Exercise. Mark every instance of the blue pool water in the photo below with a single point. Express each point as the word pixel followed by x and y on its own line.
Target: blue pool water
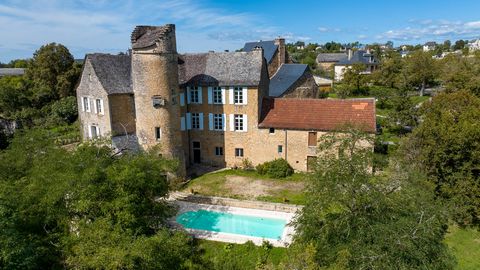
pixel 232 223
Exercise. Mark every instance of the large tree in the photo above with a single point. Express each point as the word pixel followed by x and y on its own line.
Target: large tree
pixel 421 70
pixel 446 146
pixel 356 221
pixel 84 208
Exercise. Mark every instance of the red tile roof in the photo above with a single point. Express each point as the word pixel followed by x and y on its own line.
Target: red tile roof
pixel 318 114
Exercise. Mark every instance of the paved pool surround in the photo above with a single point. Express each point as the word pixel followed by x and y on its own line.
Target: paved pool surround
pixel 284 241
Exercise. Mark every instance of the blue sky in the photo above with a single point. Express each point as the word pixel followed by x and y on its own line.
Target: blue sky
pixel 86 26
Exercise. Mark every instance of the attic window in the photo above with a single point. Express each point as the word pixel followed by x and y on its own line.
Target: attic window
pixel 158 101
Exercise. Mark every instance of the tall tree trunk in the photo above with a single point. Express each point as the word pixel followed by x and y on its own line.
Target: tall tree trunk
pixel 422 89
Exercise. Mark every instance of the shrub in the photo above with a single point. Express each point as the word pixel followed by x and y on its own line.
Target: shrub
pixel 277 168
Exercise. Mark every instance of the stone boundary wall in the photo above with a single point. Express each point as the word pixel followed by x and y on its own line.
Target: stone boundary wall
pixel 289 208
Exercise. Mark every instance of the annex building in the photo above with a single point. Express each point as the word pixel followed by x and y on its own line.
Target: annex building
pixel 215 108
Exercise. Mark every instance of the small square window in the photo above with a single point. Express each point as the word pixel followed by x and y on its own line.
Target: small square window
pixel 280 149
pixel 239 152
pixel 158 133
pixel 271 131
pixel 218 151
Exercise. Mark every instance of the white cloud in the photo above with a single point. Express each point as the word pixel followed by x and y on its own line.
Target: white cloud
pixel 434 30
pixel 327 29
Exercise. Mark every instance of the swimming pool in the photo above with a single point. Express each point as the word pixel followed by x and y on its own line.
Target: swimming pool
pixel 271 228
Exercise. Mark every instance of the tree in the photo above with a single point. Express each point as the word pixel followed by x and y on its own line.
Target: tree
pixel 459 44
pixel 354 77
pixel 84 208
pixel 421 69
pixel 50 70
pixel 460 73
pixel 447 44
pixel 445 146
pixel 356 221
pixel 390 72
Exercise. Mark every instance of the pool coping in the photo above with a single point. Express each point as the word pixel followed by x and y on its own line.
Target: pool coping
pixel 284 241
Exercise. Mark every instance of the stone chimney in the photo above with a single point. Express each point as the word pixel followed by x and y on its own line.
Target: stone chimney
pixel 350 53
pixel 280 42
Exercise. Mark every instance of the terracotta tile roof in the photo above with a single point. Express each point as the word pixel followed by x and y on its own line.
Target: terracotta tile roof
pixel 317 114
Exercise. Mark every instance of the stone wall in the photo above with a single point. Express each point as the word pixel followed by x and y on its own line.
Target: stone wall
pixel 91 87
pixel 122 109
pixel 304 87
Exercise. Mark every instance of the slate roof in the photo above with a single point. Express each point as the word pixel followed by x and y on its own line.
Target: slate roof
pixel 359 56
pixel 269 48
pixel 285 77
pixel 113 71
pixel 317 114
pixel 330 57
pixel 11 71
pixel 146 36
pixel 221 69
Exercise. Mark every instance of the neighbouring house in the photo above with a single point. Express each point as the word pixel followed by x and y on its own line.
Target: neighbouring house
pixel 216 109
pixel 429 46
pixel 11 72
pixel 326 61
pixel 404 54
pixel 473 45
pixel 355 57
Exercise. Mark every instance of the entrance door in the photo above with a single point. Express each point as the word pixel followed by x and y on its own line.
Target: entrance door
pixel 196 152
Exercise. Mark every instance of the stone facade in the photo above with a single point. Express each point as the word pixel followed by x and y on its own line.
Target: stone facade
pixel 165 99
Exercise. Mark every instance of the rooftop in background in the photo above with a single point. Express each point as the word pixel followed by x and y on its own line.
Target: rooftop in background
pixel 360 56
pixel 269 48
pixel 318 114
pixel 285 77
pixel 11 72
pixel 330 57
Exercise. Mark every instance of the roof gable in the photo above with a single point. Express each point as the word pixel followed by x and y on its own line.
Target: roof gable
pixel 113 72
pixel 285 77
pixel 318 114
pixel 269 48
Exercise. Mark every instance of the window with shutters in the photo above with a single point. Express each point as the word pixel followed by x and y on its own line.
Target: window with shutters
pixel 195 120
pixel 217 95
pixel 239 152
pixel 238 122
pixel 312 139
pixel 218 121
pixel 237 95
pixel 94 131
pixel 218 151
pixel 194 94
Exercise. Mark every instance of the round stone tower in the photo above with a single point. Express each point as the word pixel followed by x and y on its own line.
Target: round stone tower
pixel 155 86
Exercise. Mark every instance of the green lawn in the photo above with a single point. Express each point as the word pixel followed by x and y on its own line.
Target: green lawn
pixel 220 255
pixel 249 185
pixel 465 245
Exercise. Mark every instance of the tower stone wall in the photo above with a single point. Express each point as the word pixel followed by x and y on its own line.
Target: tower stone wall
pixel 155 86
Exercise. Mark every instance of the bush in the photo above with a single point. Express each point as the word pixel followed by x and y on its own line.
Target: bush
pixel 278 168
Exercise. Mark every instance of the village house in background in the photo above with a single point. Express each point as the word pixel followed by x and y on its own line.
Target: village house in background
pixel 429 46
pixel 220 109
pixel 473 45
pixel 355 57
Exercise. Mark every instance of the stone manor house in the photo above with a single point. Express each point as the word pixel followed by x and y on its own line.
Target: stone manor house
pixel 216 108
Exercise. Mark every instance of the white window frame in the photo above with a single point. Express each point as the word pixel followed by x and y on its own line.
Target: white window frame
pixel 238 122
pixel 218 122
pixel 239 152
pixel 238 98
pixel 86 104
pixel 99 109
pixel 195 120
pixel 217 95
pixel 97 131
pixel 194 95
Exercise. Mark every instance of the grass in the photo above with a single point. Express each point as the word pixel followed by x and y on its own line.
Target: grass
pixel 465 245
pixel 238 256
pixel 277 190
